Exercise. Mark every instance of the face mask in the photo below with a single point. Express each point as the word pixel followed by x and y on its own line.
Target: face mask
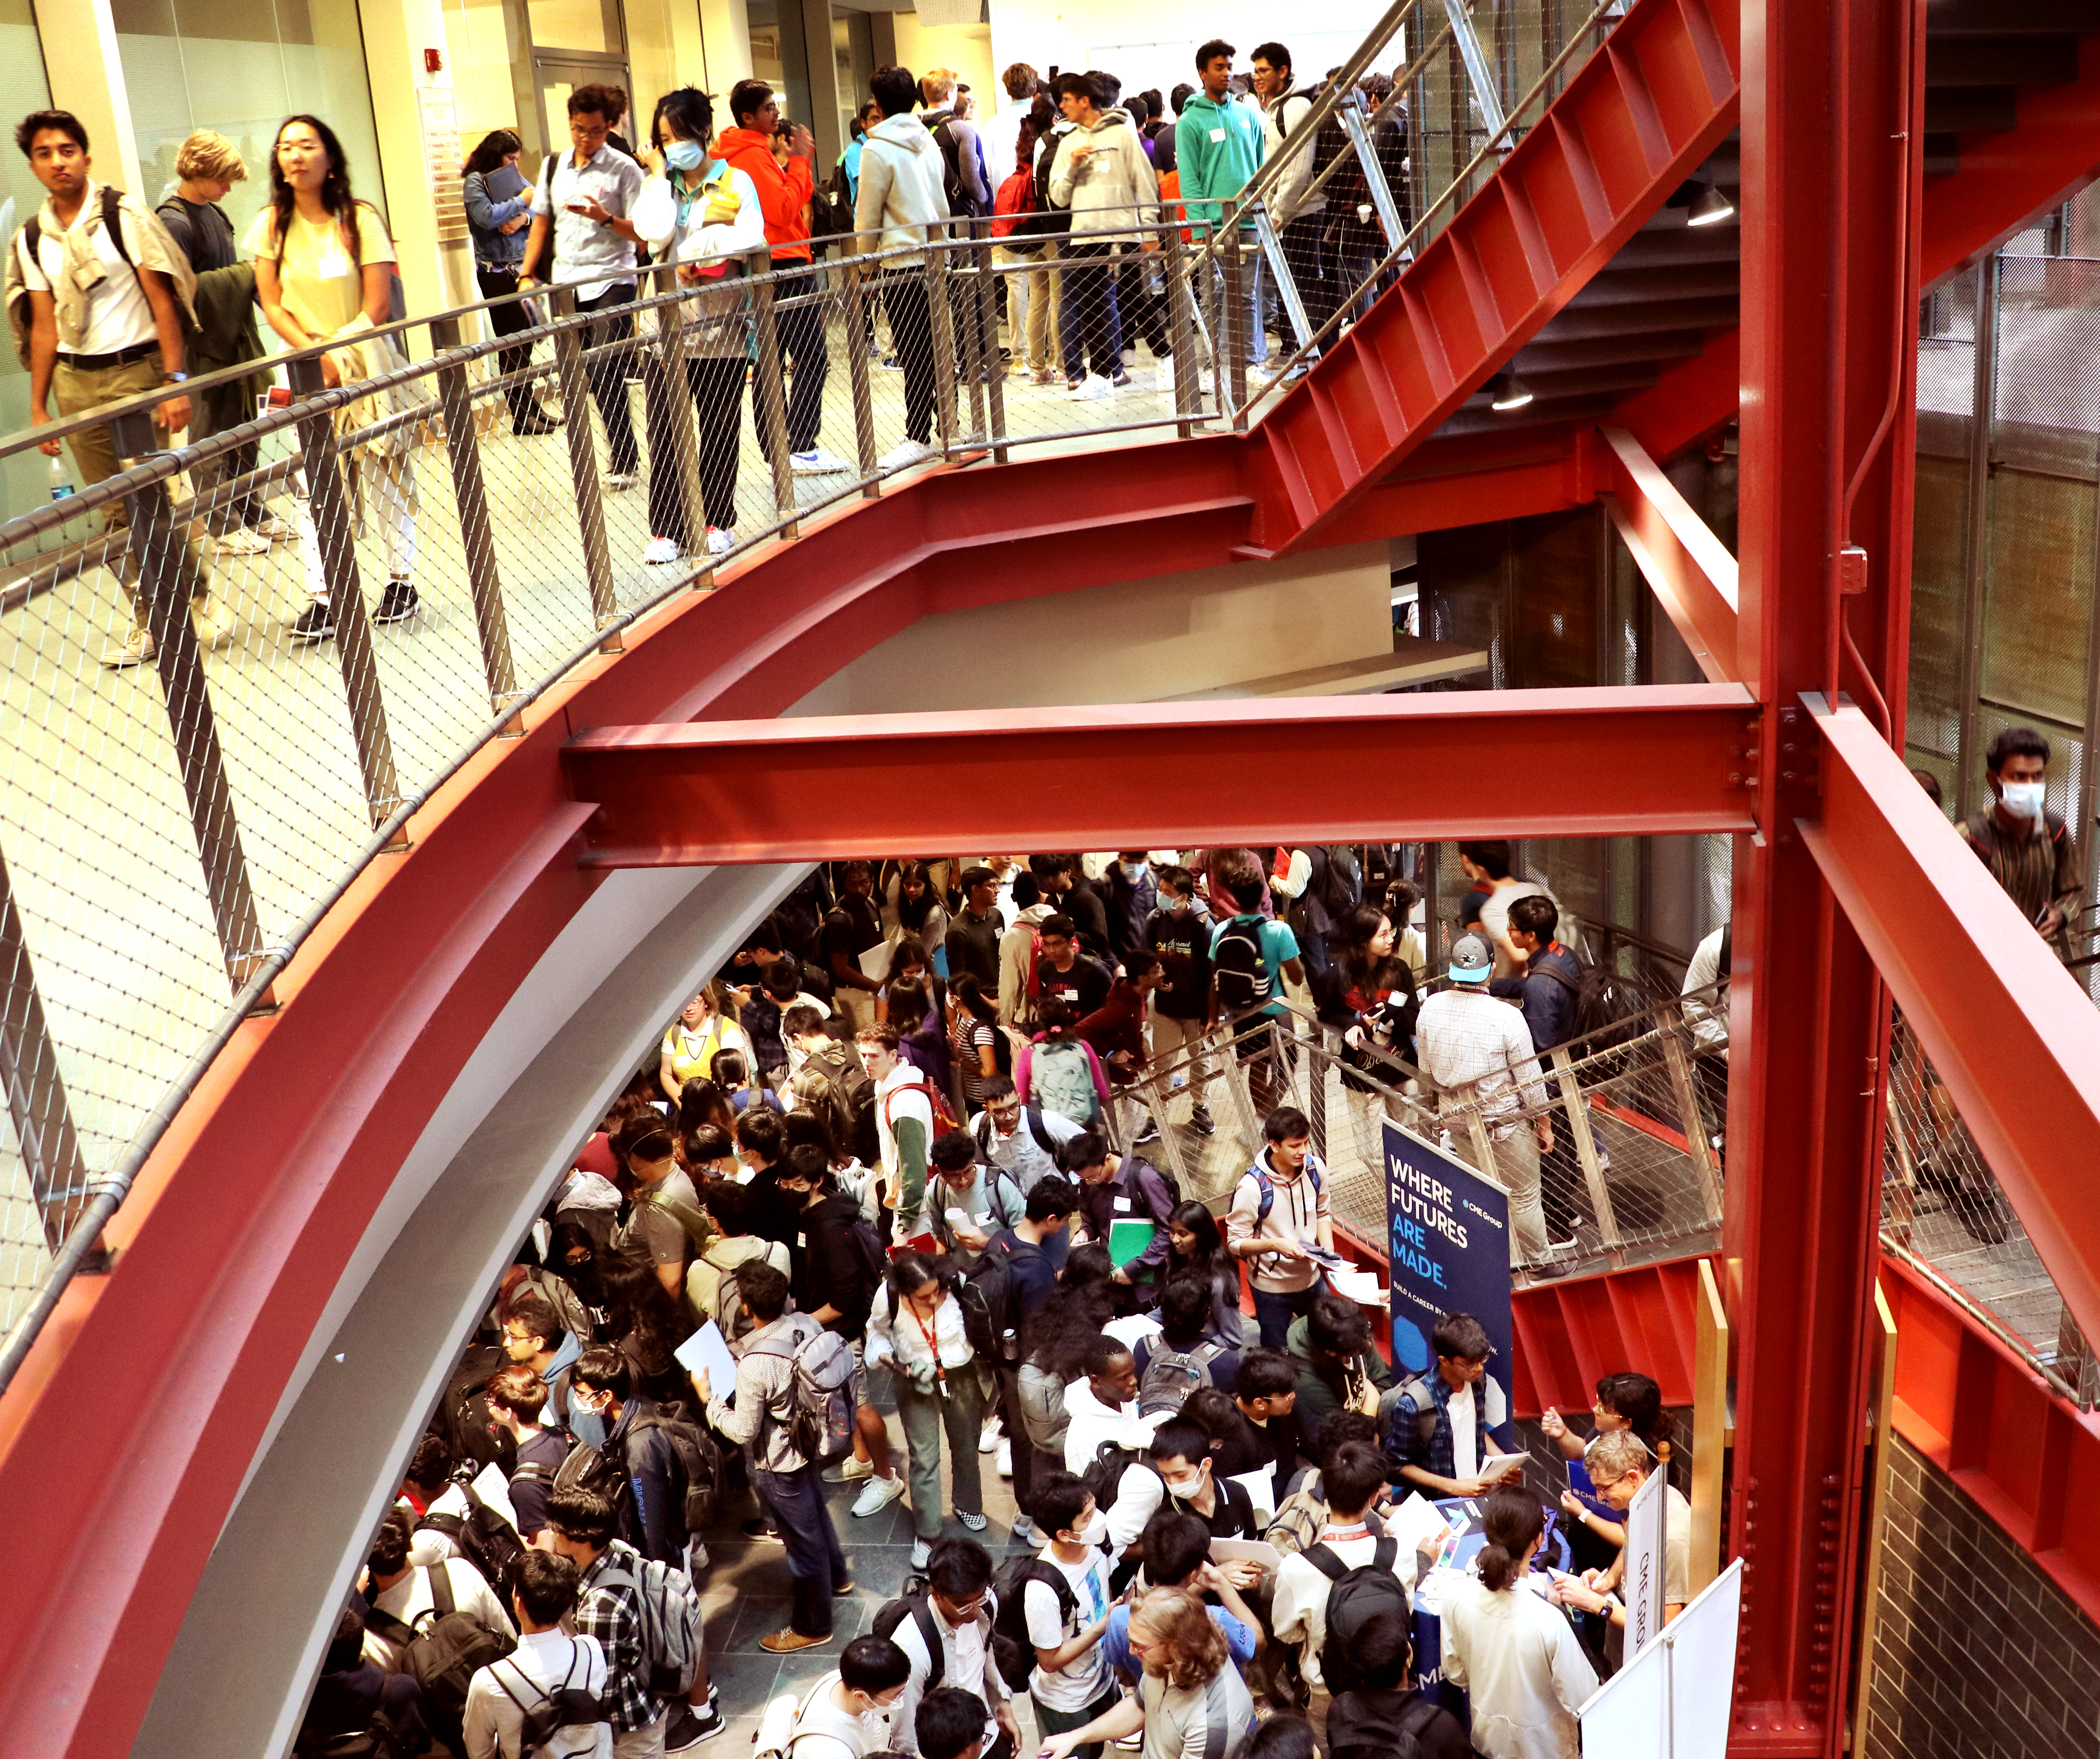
pixel 684 156
pixel 1172 905
pixel 1185 1488
pixel 1098 1529
pixel 2022 799
pixel 1133 871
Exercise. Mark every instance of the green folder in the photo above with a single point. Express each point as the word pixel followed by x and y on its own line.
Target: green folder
pixel 1128 1240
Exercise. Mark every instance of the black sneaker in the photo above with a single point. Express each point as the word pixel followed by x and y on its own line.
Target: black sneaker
pixel 1200 1117
pixel 397 604
pixel 317 624
pixel 689 1727
pixel 1121 380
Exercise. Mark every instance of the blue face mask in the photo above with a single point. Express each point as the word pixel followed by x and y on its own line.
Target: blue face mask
pixel 1133 871
pixel 684 155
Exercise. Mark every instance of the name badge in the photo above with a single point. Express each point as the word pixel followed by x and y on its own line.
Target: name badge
pixel 1122 1205
pixel 801 1242
pixel 332 266
pixel 1217 133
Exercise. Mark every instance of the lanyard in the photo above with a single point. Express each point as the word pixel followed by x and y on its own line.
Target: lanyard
pixel 932 1349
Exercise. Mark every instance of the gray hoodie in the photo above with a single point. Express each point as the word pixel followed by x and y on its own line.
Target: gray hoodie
pixel 1113 178
pixel 900 186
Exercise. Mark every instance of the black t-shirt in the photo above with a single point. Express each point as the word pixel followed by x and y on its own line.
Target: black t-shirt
pixel 201 231
pixel 1255 1445
pixel 1084 905
pixel 1182 939
pixel 851 928
pixel 1086 985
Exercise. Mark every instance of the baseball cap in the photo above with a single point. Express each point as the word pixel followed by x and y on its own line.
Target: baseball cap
pixel 1471 960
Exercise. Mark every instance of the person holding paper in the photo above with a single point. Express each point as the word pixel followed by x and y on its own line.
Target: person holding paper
pixel 1438 1431
pixel 1619 1465
pixel 1517 1656
pixel 1118 1188
pixel 1337 1369
pixel 971 1204
pixel 1257 1428
pixel 1176 1548
pixel 1188 1699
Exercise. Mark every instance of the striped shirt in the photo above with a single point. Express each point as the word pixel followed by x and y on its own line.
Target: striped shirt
pixel 2036 871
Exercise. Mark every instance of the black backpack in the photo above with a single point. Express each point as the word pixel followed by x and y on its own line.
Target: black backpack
pixel 486 1541
pixel 987 1297
pixel 831 208
pixel 911 1603
pixel 567 1706
pixel 1358 1596
pixel 462 1416
pixel 1406 1412
pixel 1104 1472
pixel 1240 971
pixel 1605 1004
pixel 960 204
pixel 1011 1653
pixel 443 1654
pixel 1045 220
pixel 1355 1732
pixel 1171 1375
pixel 699 1461
pixel 377 1739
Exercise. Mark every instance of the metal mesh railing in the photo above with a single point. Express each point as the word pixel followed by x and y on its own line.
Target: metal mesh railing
pixel 1637 1110
pixel 1942 1211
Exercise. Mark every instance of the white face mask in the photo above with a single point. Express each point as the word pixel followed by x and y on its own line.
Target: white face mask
pixel 2022 799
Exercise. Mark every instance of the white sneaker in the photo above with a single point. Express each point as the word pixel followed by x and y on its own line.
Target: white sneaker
pixel 988 1436
pixel 215 620
pixel 911 452
pixel 1005 1458
pixel 275 529
pixel 1024 1531
pixel 816 461
pixel 878 1493
pixel 135 650
pixel 721 540
pixel 660 550
pixel 619 481
pixel 1091 388
pixel 243 543
pixel 855 1470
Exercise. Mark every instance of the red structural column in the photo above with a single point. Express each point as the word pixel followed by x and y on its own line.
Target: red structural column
pixel 1827 180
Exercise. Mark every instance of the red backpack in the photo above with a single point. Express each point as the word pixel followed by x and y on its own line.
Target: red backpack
pixel 944 1114
pixel 1014 199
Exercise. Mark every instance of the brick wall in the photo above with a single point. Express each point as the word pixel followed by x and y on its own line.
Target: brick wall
pixel 1978 1655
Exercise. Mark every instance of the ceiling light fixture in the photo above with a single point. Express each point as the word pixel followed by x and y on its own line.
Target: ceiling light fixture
pixel 1710 207
pixel 1508 392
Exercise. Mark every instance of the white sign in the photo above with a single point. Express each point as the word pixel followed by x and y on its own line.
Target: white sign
pixel 1674 1699
pixel 1642 1589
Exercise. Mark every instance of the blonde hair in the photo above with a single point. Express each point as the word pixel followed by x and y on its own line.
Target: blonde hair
pixel 209 153
pixel 1195 1647
pixel 1615 1453
pixel 936 83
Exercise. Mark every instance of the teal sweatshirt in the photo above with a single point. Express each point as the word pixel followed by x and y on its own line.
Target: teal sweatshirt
pixel 1217 148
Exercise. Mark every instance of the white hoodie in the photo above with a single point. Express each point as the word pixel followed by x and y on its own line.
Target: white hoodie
pixel 900 186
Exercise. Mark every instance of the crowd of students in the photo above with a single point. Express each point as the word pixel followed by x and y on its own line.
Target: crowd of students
pixel 796 1190
pixel 110 299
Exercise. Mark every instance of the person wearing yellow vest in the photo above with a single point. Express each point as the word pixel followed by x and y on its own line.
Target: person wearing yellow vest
pixel 702 1028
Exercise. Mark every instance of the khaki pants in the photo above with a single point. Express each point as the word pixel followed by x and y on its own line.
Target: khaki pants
pixel 643 1743
pixel 1173 1039
pixel 1038 292
pixel 75 392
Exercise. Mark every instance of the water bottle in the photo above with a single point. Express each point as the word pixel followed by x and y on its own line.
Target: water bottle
pixel 61 483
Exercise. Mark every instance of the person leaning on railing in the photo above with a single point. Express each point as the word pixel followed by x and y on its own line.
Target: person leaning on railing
pixel 325 273
pixel 499 209
pixel 901 198
pixel 706 214
pixel 93 285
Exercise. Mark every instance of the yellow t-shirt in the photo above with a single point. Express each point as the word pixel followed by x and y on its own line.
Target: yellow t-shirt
pixel 321 287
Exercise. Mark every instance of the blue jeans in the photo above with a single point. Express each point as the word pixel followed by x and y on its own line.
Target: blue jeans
pixel 794 1500
pixel 1274 1313
pixel 1089 323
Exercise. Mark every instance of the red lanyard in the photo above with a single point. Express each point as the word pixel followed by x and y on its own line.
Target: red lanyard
pixel 932 1349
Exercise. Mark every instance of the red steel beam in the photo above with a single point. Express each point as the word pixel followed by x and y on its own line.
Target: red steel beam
pixel 2007 1028
pixel 1627 761
pixel 1690 570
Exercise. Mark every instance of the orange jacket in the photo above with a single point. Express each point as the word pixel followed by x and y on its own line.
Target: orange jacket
pixel 784 190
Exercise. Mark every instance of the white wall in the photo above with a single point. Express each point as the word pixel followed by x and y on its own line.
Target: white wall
pixel 1138 641
pixel 1156 45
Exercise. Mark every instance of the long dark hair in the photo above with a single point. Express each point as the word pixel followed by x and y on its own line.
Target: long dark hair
pixel 336 195
pixel 1055 1335
pixel 1350 939
pixel 495 146
pixel 1210 1252
pixel 1513 1520
pixel 691 109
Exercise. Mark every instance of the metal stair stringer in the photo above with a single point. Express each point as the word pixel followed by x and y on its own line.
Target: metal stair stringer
pixel 1635 120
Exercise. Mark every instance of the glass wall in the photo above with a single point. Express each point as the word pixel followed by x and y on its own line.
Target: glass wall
pixel 23 88
pixel 242 70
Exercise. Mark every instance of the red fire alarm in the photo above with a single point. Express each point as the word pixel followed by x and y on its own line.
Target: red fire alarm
pixel 434 60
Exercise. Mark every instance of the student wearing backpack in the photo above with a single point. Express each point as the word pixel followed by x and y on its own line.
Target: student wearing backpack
pixel 1478 1053
pixel 97 294
pixel 1179 930
pixel 711 1285
pixel 1337 1369
pixel 849 1714
pixel 1325 1594
pixel 651 1516
pixel 839 1264
pixel 1058 1070
pixel 517 1401
pixel 904 1128
pixel 788 1482
pixel 1384 1717
pixel 665 1221
pixel 1547 990
pixel 1512 1651
pixel 944 1626
pixel 1184 1354
pixel 1252 956
pixel 438 1623
pixel 1279 1217
pixel 1439 1429
pixel 1123 1188
pixel 918 1328
pixel 1189 1699
pixel 545 1686
pixel 1070 1683
pixel 985 1199
pixel 1020 958
pixel 1299 211
pixel 1115 1031
pixel 1025 1140
pixel 1062 970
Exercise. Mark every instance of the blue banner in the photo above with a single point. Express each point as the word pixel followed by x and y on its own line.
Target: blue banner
pixel 1449 1234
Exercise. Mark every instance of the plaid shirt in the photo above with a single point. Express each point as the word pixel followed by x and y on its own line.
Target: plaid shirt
pixel 611 1615
pixel 1405 1444
pixel 1474 1047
